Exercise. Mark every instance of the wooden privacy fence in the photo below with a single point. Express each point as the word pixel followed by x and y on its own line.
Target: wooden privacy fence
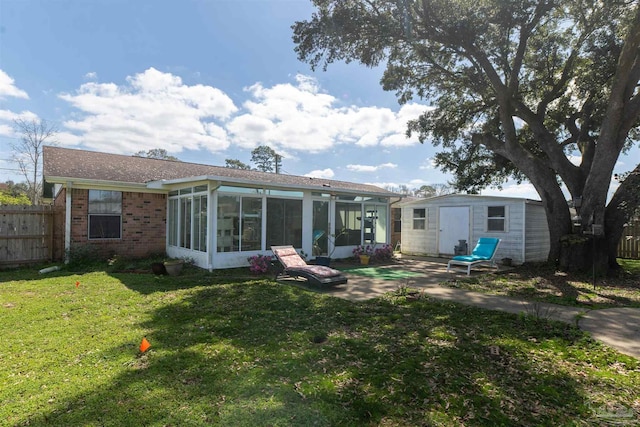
pixel 629 246
pixel 30 234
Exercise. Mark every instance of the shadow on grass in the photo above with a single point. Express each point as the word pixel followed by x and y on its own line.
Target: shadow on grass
pixel 544 283
pixel 259 353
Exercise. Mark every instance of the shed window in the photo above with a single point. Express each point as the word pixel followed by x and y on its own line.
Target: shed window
pixel 105 214
pixel 496 218
pixel 419 219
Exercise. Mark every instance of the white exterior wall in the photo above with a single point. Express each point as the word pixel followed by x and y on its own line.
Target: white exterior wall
pixel 513 242
pixel 537 240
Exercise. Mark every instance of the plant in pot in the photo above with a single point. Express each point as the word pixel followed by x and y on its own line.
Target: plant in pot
pixel 363 253
pixel 173 266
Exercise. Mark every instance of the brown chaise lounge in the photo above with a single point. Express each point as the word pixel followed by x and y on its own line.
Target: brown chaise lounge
pixel 294 266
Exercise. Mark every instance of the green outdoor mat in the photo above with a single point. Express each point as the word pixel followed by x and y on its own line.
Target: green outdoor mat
pixel 382 273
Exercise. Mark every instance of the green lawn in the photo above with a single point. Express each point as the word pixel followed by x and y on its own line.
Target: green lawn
pixel 231 350
pixel 543 283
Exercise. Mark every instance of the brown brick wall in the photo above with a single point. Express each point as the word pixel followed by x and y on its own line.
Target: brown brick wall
pixel 144 218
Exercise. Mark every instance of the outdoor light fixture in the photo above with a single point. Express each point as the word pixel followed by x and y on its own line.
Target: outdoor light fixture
pixel 576 220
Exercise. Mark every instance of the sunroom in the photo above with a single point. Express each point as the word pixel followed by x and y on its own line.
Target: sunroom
pixel 221 224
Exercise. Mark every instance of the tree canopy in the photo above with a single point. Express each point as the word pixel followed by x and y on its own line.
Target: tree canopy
pixel 156 153
pixel 236 164
pixel 543 90
pixel 266 159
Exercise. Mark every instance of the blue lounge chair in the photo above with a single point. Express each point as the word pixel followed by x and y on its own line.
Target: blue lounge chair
pixel 483 253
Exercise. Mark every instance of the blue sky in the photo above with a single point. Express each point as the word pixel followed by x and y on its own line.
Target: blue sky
pixel 206 80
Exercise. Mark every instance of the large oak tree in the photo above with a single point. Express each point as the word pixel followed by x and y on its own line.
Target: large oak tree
pixel 543 90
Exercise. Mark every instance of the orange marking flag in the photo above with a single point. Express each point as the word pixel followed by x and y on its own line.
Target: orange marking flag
pixel 77 284
pixel 144 345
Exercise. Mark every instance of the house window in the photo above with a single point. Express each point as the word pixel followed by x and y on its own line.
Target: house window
pixel 228 223
pixel 239 223
pixel 496 218
pixel 251 224
pixel 284 222
pixel 375 224
pixel 348 224
pixel 105 214
pixel 419 218
pixel 200 222
pixel 187 218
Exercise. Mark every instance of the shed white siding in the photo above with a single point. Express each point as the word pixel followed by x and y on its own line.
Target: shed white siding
pixel 525 237
pixel 537 240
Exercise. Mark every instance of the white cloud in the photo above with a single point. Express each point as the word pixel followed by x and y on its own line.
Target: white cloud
pixel 321 173
pixel 371 168
pixel 429 164
pixel 417 183
pixel 300 117
pixel 7 118
pixel 156 109
pixel 153 110
pixel 6 130
pixel 92 75
pixel 8 87
pixel 525 190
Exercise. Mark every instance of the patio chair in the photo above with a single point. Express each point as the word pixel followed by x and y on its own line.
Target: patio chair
pixel 294 266
pixel 483 253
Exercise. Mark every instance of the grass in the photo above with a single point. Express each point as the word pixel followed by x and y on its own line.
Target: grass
pixel 545 284
pixel 231 349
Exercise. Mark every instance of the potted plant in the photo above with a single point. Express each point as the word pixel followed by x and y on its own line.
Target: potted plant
pixel 363 253
pixel 173 266
pixel 158 268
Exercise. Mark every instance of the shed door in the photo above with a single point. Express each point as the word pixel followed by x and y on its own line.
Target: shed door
pixel 454 226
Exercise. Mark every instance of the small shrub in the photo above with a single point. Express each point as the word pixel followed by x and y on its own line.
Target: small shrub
pixel 83 256
pixel 383 253
pixel 259 264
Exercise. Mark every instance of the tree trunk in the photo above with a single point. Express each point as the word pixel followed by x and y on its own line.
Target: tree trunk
pixel 584 254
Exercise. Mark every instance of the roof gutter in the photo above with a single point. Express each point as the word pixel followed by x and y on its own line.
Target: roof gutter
pixel 84 183
pixel 164 183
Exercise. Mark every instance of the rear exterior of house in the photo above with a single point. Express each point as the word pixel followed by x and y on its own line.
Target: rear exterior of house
pixel 436 226
pixel 134 207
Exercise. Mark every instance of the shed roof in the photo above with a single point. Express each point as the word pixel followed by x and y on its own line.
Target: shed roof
pixel 464 197
pixel 64 164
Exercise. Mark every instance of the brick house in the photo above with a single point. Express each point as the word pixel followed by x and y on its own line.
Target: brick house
pixel 217 216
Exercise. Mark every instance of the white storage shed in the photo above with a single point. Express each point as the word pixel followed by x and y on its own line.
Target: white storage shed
pixel 435 226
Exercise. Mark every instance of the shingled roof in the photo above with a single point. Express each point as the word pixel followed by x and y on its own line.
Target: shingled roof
pixel 63 164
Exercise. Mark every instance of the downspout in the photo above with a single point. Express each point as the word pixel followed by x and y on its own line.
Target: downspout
pixel 389 223
pixel 524 232
pixel 67 222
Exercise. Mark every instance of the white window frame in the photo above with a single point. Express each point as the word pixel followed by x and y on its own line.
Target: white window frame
pixel 504 218
pixel 178 196
pixel 417 220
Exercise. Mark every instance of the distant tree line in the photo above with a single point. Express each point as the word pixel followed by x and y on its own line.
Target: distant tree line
pixel 427 190
pixel 265 159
